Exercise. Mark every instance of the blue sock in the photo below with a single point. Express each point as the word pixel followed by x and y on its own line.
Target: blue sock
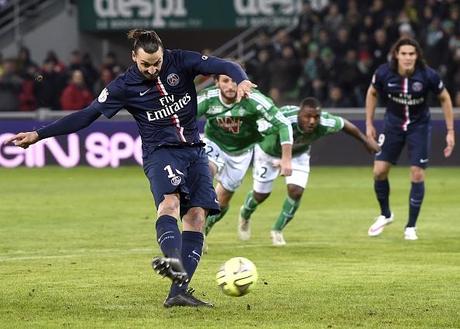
pixel 192 246
pixel 417 192
pixel 382 191
pixel 168 236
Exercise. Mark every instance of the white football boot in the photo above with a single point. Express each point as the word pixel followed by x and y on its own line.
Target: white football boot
pixel 410 233
pixel 277 238
pixel 380 222
pixel 244 228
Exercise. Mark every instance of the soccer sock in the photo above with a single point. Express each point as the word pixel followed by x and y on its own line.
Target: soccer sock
pixel 382 191
pixel 417 192
pixel 290 206
pixel 168 236
pixel 212 219
pixel 249 206
pixel 192 246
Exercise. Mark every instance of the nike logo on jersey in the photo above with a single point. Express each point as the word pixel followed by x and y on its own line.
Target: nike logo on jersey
pixel 142 93
pixel 423 160
pixel 392 84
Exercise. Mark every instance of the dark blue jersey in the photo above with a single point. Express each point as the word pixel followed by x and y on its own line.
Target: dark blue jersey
pixel 406 97
pixel 165 109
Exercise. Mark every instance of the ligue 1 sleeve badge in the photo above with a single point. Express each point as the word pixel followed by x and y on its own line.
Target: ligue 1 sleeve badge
pixel 103 95
pixel 172 79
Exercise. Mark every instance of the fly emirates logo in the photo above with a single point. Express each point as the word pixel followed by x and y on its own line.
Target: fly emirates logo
pixel 170 107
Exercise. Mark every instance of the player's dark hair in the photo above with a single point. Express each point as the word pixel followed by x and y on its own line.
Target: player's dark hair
pixel 310 102
pixel 405 41
pixel 147 40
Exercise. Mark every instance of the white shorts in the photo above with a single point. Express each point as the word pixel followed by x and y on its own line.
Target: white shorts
pixel 231 169
pixel 266 170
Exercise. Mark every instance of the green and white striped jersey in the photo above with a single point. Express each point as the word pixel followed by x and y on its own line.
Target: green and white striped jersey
pixel 328 124
pixel 234 127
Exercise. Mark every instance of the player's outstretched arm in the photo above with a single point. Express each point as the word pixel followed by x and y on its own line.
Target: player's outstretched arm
pixel 369 142
pixel 66 125
pixel 371 104
pixel 446 104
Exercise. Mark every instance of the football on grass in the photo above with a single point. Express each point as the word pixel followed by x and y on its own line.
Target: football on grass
pixel 237 276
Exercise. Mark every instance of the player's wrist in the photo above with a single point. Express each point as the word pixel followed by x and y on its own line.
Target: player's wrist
pixel 37 134
pixel 450 130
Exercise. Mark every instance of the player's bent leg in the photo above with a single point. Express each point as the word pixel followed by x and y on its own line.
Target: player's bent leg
pixel 416 195
pixel 253 199
pixel 170 241
pixel 223 196
pixel 296 184
pixel 264 173
pixel 382 192
pixel 290 206
pixel 192 245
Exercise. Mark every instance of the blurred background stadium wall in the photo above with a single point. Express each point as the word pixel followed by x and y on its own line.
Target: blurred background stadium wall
pixel 291 48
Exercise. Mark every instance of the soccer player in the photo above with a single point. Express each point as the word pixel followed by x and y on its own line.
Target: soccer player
pixel 159 92
pixel 309 123
pixel 231 132
pixel 404 83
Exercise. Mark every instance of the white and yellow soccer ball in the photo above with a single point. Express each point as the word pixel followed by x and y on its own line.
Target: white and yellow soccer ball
pixel 237 276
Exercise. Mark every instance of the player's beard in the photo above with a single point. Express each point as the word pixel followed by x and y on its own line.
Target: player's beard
pixel 229 95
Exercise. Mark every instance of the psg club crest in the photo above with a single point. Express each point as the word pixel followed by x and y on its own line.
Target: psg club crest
pixel 417 86
pixel 172 79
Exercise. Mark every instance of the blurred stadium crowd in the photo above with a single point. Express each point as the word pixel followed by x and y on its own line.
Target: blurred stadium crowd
pixel 331 55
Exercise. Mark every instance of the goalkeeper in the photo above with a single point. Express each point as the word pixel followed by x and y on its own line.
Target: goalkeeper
pixel 309 123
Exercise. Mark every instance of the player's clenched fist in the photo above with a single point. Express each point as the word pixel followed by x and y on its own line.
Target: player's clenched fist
pixel 24 139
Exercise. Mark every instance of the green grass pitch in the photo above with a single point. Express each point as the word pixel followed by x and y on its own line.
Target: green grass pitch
pixel 75 246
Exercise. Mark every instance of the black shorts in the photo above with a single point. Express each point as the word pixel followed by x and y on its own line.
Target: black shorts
pixel 417 137
pixel 183 170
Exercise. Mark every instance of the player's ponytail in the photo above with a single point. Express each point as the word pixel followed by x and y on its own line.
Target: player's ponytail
pixel 147 40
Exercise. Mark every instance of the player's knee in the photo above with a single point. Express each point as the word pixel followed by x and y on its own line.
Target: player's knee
pixel 417 174
pixel 194 219
pixel 381 170
pixel 169 206
pixel 295 192
pixel 380 174
pixel 223 195
pixel 260 197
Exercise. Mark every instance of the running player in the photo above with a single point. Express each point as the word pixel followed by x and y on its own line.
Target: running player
pixel 231 132
pixel 309 123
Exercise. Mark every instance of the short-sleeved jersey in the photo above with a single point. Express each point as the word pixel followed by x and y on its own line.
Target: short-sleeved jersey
pixel 164 109
pixel 328 124
pixel 406 97
pixel 234 127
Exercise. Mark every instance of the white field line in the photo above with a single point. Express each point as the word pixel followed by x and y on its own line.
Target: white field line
pixel 20 255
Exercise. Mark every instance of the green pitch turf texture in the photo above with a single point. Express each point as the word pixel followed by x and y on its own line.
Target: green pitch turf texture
pixel 75 246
